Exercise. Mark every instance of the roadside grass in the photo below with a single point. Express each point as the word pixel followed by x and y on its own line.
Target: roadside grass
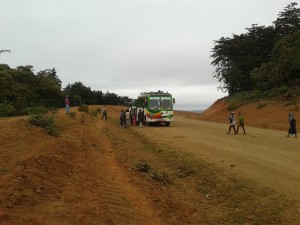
pixel 95 112
pixel 83 108
pixel 241 200
pixel 72 114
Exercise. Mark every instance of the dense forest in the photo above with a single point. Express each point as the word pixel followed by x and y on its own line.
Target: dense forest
pixel 22 91
pixel 262 59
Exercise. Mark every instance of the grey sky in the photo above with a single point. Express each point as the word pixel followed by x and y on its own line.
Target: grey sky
pixel 129 46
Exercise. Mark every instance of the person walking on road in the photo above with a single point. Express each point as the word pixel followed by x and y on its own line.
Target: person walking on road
pixel 232 123
pixel 292 129
pixel 104 113
pixel 241 123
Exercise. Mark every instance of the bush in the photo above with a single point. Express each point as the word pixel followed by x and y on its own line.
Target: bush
pixel 160 177
pixel 276 91
pixel 142 166
pixel 7 110
pixel 42 120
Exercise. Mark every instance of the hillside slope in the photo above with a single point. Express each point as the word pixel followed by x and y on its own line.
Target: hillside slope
pixel 263 114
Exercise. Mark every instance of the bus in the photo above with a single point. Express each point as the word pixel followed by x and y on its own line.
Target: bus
pixel 157 107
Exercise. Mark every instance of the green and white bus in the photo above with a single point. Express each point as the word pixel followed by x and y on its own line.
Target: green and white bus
pixel 157 107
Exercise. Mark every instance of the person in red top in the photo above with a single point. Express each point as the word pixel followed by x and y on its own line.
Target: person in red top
pixel 67 104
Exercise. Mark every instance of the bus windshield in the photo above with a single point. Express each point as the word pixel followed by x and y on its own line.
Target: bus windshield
pixel 154 103
pixel 165 103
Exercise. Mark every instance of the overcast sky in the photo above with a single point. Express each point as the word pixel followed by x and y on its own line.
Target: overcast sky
pixel 129 46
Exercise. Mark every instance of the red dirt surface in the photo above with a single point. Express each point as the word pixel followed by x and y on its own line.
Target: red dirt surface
pixel 197 174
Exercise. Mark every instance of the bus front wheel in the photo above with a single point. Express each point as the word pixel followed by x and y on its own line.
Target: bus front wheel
pixel 167 124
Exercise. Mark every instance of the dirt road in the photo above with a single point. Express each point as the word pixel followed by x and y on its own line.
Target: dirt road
pixel 264 156
pixel 192 173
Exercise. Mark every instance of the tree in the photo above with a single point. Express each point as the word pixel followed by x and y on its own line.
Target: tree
pixel 235 57
pixel 6 82
pixel 288 21
pixel 261 58
pixel 77 92
pixel 21 88
pixel 111 99
pixel 49 88
pixel 283 68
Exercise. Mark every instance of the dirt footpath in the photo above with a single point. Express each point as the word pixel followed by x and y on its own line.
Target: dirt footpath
pixel 192 172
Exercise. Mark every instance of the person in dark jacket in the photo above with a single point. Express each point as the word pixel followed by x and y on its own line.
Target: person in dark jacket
pixel 122 118
pixel 140 118
pixel 292 129
pixel 104 113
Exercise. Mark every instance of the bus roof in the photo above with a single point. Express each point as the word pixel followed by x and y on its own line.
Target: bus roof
pixel 156 93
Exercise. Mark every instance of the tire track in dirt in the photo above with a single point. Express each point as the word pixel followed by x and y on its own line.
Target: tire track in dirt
pixel 123 203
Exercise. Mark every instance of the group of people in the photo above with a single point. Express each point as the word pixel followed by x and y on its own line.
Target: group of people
pixel 232 123
pixel 241 123
pixel 131 117
pixel 128 117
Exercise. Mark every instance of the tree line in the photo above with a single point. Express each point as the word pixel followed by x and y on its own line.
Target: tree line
pixel 21 90
pixel 263 58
